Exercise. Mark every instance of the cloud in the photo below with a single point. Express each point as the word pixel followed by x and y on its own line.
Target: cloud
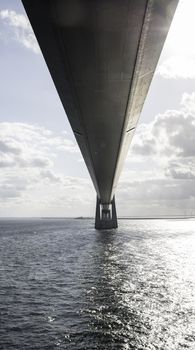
pixel 45 194
pixel 11 188
pixel 177 67
pixel 20 29
pixel 159 174
pixel 156 196
pixel 50 176
pixel 175 172
pixel 170 135
pixel 188 103
pixel 158 189
pixel 33 181
pixel 160 168
pixel 29 146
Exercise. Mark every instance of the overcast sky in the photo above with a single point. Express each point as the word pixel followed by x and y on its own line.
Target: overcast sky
pixel 42 171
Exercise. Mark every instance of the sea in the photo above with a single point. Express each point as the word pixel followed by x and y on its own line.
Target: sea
pixel 64 285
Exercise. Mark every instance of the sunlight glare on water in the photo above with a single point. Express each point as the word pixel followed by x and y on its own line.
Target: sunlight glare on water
pixel 64 285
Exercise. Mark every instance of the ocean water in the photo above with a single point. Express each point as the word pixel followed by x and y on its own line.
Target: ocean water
pixel 64 285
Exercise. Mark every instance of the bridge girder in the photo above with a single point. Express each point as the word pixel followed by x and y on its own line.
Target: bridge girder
pixel 102 56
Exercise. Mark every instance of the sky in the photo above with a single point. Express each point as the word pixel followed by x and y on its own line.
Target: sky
pixel 42 170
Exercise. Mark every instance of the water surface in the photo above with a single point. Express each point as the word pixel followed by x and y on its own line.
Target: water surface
pixel 64 285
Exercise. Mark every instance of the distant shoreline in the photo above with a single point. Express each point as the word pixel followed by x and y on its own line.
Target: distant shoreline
pixel 157 217
pixel 164 217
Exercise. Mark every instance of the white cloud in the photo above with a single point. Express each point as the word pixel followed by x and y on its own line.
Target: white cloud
pixel 29 178
pixel 177 171
pixel 21 29
pixel 159 189
pixel 49 175
pixel 170 135
pixel 45 193
pixel 29 146
pixel 31 183
pixel 177 67
pixel 188 103
pixel 11 188
pixel 160 169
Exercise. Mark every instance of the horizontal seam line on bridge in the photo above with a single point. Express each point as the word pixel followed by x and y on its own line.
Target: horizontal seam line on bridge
pixel 77 132
pixel 131 129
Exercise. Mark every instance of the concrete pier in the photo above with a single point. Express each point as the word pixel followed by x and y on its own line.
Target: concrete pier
pixel 106 217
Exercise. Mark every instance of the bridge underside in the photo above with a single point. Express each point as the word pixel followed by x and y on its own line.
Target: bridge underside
pixel 102 56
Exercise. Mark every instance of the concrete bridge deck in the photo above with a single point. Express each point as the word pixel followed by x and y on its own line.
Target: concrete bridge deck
pixel 102 55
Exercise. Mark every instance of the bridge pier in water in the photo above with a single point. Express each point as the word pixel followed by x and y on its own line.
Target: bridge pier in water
pixel 106 217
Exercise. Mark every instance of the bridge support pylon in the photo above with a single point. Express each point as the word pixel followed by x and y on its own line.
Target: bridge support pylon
pixel 106 217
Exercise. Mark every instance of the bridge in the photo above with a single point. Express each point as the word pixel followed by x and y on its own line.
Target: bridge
pixel 102 55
